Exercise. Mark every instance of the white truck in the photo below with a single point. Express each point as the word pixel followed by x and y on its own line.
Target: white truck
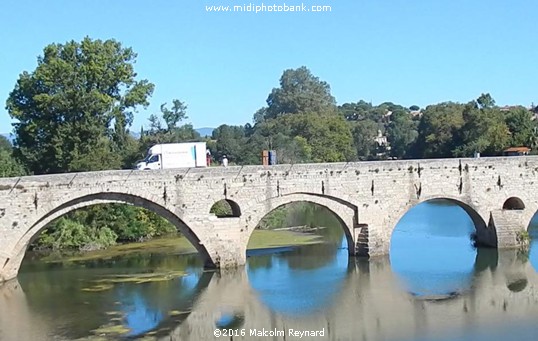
pixel 175 155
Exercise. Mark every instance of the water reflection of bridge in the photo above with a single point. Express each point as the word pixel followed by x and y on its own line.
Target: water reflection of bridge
pixel 368 305
pixel 372 306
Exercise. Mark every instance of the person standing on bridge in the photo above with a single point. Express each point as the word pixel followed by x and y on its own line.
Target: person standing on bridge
pixel 208 157
pixel 224 161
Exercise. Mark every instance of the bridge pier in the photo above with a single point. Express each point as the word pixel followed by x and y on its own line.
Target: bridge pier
pixel 224 239
pixel 504 229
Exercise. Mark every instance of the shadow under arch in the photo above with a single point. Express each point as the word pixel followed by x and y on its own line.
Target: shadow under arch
pixel 103 198
pixel 513 203
pixel 431 251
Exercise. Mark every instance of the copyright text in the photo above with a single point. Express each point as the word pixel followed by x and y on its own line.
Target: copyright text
pixel 270 333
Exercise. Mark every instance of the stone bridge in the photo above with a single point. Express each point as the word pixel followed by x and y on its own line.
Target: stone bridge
pixel 369 198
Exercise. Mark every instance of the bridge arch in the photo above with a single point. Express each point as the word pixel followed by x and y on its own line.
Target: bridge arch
pixel 54 210
pixel 344 211
pixel 482 230
pixel 513 203
pixel 226 208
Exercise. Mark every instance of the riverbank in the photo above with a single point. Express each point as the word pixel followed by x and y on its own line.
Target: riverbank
pixel 178 244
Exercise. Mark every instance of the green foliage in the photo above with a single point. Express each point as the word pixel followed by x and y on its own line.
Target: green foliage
pixel 299 92
pixel 9 166
pixel 73 110
pixel 364 133
pixel 221 209
pixel 304 214
pixel 523 239
pixel 401 133
pixel 69 234
pixel 5 145
pixel 230 141
pixel 521 126
pixel 275 219
pixel 306 138
pixel 171 132
pixel 438 130
pixel 484 131
pixel 100 226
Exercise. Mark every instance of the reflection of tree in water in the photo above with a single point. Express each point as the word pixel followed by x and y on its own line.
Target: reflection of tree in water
pixel 313 256
pixel 60 291
pixel 260 262
pixel 305 257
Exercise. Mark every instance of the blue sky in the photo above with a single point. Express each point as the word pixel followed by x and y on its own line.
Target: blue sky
pixel 223 65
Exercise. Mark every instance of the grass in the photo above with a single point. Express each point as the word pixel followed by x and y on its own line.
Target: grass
pixel 260 239
pixel 263 239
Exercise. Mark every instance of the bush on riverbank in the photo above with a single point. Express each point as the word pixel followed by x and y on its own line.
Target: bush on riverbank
pixel 100 226
pixel 69 234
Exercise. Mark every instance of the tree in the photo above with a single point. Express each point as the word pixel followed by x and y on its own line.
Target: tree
pixel 81 95
pixel 175 115
pixel 174 132
pixel 485 131
pixel 401 134
pixel 357 111
pixel 364 133
pixel 485 101
pixel 328 135
pixel 438 130
pixel 230 142
pixel 8 165
pixel 299 92
pixel 521 125
pixel 5 145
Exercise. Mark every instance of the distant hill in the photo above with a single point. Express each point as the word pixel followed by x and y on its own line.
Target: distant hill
pixel 205 131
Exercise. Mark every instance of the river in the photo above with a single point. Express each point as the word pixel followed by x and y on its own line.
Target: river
pixel 434 285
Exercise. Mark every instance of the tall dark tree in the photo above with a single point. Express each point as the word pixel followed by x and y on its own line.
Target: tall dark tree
pixel 438 130
pixel 73 111
pixel 300 92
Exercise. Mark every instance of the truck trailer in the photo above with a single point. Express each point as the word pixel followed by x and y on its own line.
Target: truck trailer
pixel 175 155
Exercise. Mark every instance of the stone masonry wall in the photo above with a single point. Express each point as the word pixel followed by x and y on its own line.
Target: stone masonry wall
pixel 369 197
